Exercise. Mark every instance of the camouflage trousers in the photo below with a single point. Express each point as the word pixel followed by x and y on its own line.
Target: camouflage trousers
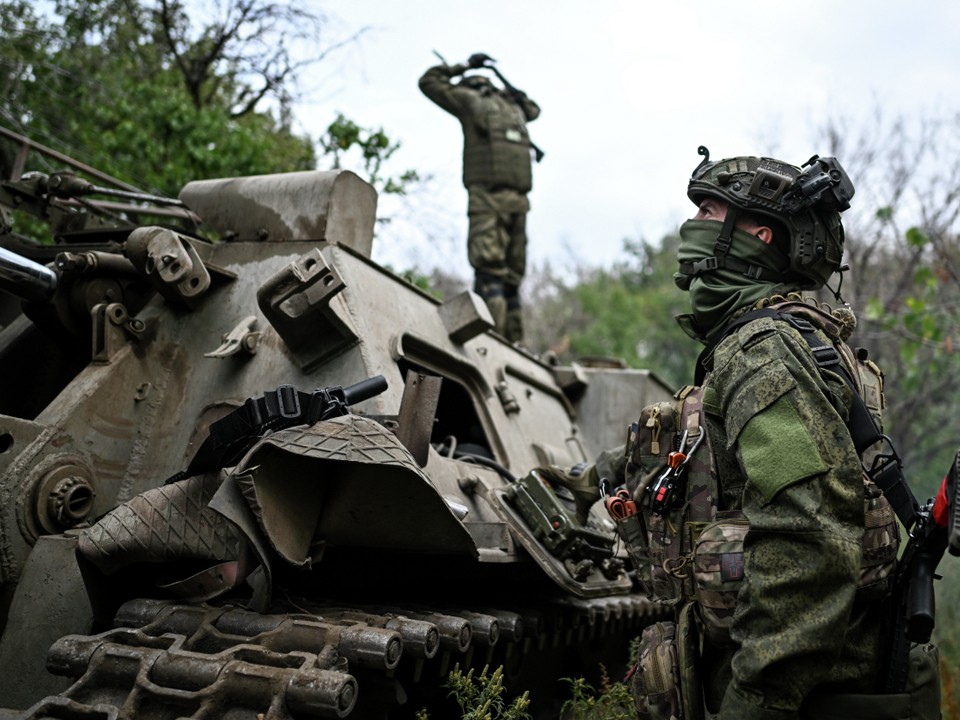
pixel 497 249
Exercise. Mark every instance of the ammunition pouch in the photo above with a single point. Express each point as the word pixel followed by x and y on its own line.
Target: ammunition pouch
pixel 665 544
pixel 665 684
pixel 718 571
pixel 880 545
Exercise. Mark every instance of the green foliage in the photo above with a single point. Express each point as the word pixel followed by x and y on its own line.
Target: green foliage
pixel 416 278
pixel 903 248
pixel 481 697
pixel 633 308
pixel 946 635
pixel 613 702
pixel 913 335
pixel 135 90
pixel 884 214
pixel 916 237
pixel 373 147
pixel 625 312
pixel 95 84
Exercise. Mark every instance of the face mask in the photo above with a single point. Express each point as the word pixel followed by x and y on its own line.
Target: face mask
pixel 717 294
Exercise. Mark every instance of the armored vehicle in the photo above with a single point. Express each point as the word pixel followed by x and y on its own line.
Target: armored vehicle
pixel 245 471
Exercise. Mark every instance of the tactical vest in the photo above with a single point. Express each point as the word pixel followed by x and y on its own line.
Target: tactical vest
pixel 692 552
pixel 496 146
pixel 690 556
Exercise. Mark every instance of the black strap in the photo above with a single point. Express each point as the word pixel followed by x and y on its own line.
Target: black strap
pixel 886 471
pixel 747 269
pixel 725 239
pixel 721 256
pixel 233 434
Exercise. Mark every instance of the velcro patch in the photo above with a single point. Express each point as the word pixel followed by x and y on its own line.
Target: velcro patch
pixel 777 450
pixel 731 567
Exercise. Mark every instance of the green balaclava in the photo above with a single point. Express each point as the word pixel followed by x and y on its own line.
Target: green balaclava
pixel 717 294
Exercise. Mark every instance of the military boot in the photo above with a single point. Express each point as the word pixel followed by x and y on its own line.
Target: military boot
pixel 491 289
pixel 514 317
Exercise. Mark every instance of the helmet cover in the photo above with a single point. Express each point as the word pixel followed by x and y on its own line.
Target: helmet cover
pixel 806 201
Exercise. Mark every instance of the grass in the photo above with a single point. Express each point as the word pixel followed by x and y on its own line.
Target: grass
pixel 480 697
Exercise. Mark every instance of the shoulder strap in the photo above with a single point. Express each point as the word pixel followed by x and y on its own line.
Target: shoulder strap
pixel 886 471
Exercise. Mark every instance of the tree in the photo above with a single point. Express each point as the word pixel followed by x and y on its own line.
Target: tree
pixel 625 312
pixel 98 86
pixel 141 90
pixel 373 146
pixel 904 251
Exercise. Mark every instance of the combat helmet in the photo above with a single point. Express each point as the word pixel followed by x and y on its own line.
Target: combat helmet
pixel 804 201
pixel 476 81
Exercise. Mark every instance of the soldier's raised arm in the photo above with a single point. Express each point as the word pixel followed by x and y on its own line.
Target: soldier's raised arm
pixel 530 109
pixel 435 84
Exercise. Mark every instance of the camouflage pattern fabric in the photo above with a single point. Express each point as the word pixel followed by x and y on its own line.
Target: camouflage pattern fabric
pixel 513 326
pixel 497 238
pixel 696 551
pixel 656 682
pixel 881 544
pixel 496 145
pixel 718 570
pixel 919 701
pixel 797 624
pixel 497 174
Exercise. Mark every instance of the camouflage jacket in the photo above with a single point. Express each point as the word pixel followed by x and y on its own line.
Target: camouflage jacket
pixel 784 457
pixel 496 144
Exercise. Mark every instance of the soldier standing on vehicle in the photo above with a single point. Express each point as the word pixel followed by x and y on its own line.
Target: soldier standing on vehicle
pixel 497 175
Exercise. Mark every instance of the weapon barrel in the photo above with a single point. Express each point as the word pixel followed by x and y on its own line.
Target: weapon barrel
pixel 25 278
pixel 364 390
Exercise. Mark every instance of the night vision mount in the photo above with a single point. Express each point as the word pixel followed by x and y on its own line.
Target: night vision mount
pixel 806 201
pixel 822 183
pixel 819 184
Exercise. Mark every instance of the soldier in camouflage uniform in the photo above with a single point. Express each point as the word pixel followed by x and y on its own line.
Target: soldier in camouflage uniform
pixel 497 175
pixel 775 549
pixel 781 448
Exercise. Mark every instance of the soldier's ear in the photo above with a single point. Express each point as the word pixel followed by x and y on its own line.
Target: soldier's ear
pixel 765 234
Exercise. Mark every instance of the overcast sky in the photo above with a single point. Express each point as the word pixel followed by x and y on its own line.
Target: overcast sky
pixel 628 90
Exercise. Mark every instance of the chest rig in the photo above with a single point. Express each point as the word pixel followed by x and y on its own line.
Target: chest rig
pixel 686 535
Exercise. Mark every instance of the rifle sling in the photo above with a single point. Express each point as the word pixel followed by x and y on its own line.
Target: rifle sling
pixel 232 435
pixel 887 474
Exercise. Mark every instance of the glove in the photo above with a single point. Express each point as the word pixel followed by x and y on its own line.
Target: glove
pixel 478 60
pixel 581 480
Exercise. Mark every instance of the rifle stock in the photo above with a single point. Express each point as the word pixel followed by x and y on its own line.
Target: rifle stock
pixel 914 611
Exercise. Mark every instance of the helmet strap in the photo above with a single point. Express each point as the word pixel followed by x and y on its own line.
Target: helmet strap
pixel 836 293
pixel 724 240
